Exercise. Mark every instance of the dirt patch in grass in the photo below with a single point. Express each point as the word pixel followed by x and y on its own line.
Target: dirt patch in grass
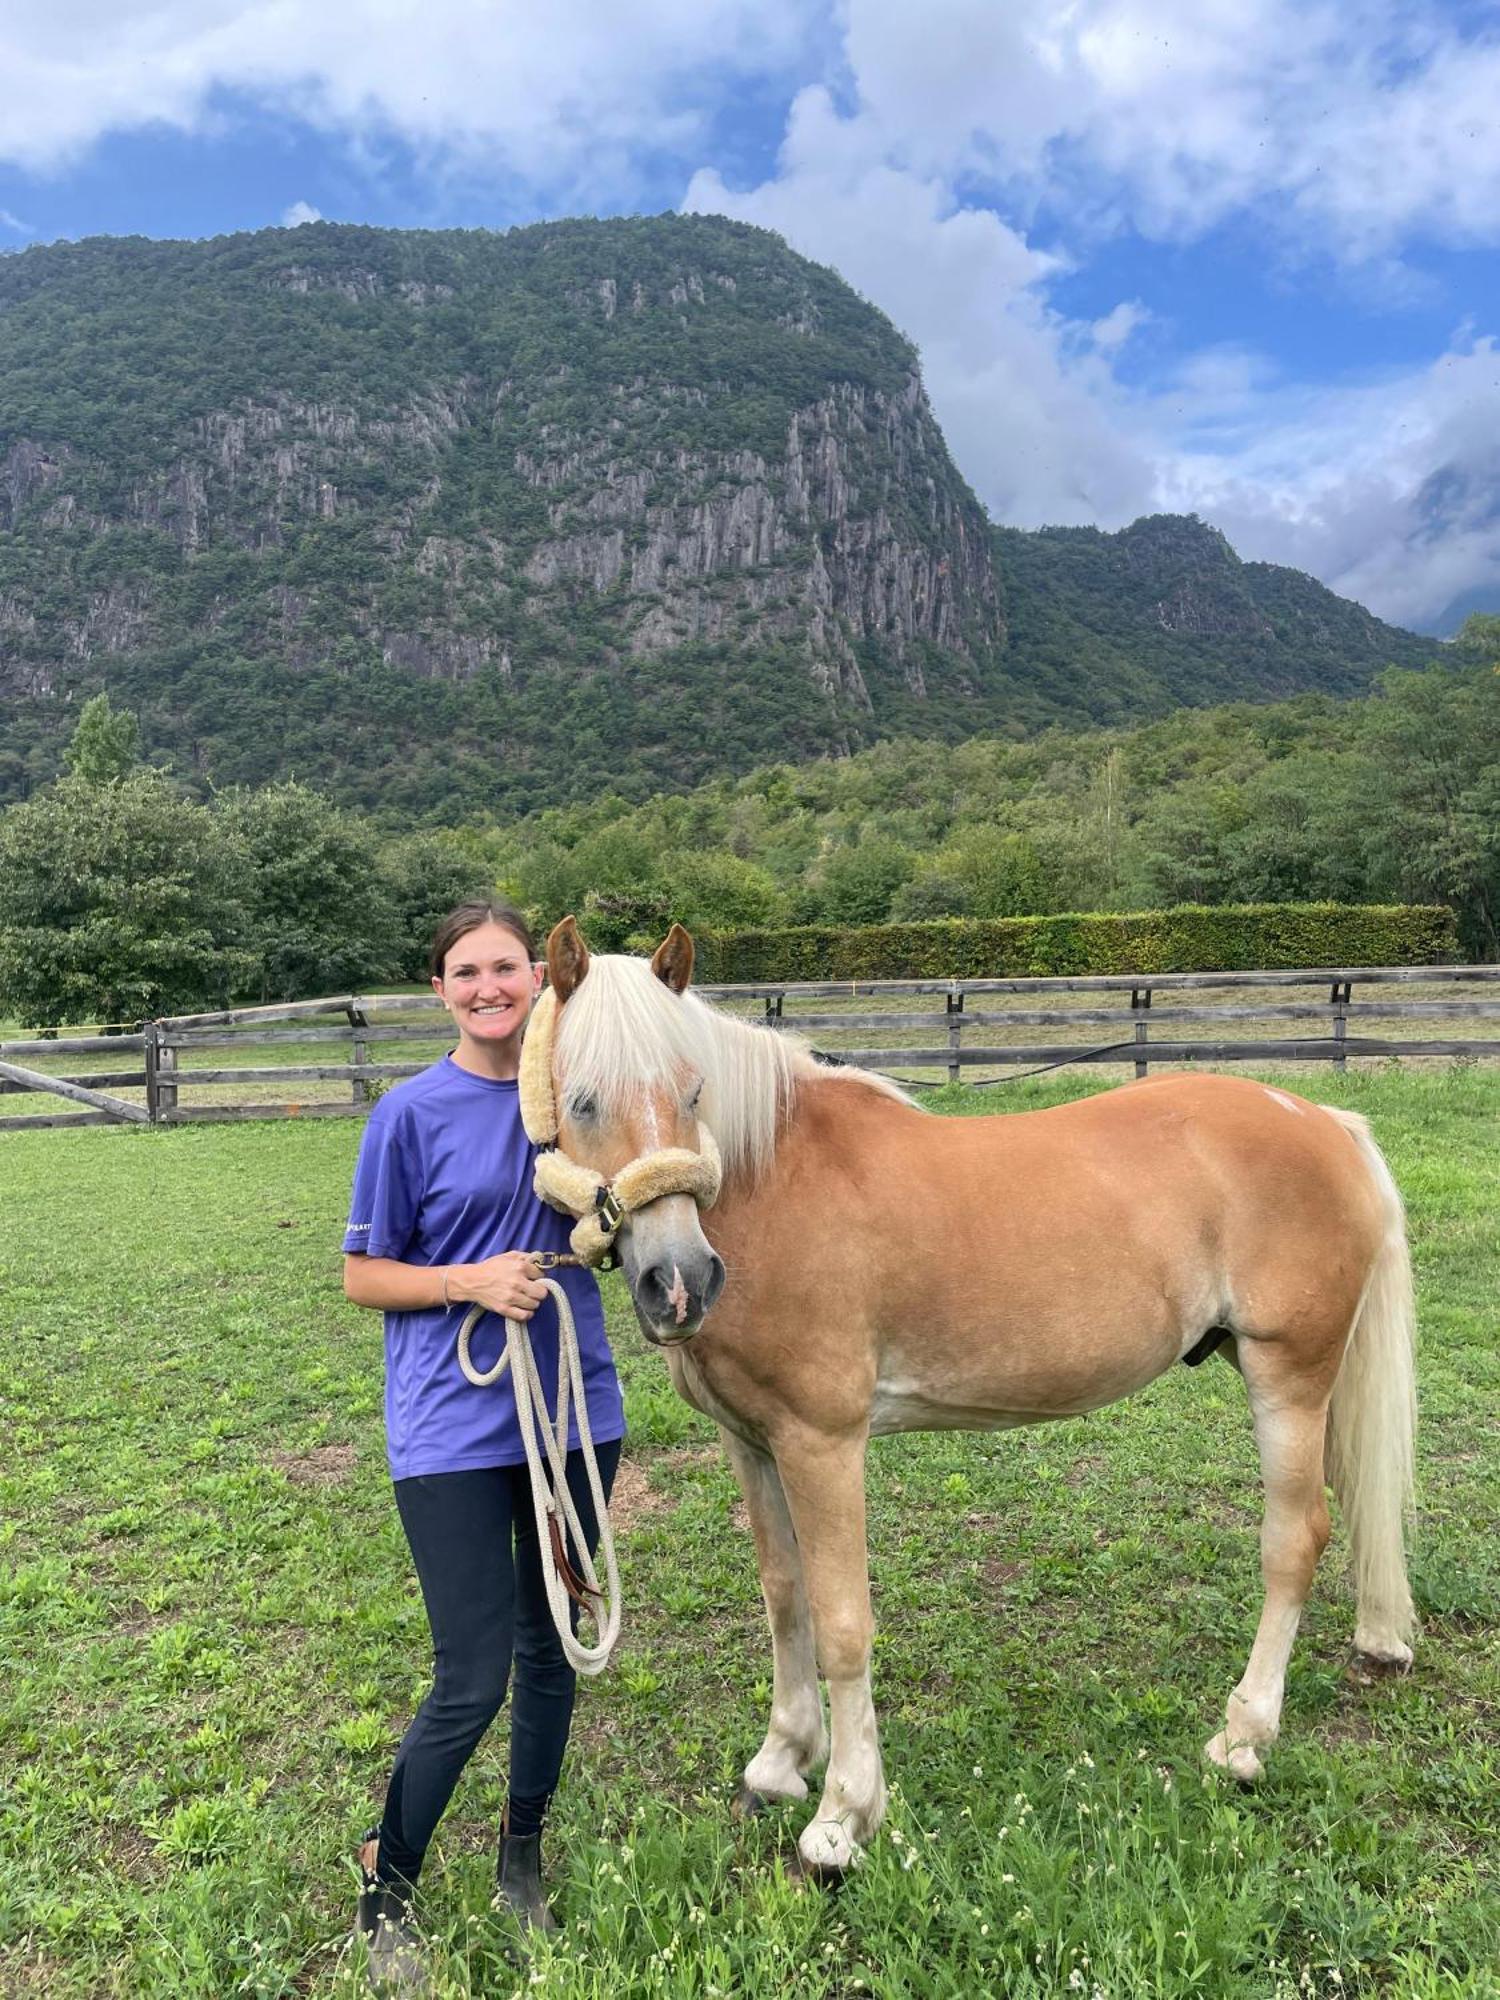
pixel 22 1977
pixel 683 1457
pixel 140 1622
pixel 634 1497
pixel 324 1465
pixel 998 1573
pixel 1085 1469
pixel 125 1850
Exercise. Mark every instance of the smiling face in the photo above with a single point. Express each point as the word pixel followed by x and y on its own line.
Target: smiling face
pixel 488 985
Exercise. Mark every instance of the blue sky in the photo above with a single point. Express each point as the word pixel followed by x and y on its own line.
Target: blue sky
pixel 1238 256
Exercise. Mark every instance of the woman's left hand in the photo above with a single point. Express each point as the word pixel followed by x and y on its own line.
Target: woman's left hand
pixel 510 1284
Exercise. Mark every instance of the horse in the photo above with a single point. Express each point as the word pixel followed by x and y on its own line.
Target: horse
pixel 868 1268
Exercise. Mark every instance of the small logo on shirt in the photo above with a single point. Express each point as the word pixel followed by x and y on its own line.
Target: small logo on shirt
pixel 355 1227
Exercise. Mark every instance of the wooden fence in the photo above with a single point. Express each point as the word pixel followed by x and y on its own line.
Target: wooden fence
pixel 1131 1023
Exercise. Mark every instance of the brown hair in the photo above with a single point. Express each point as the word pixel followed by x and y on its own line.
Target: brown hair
pixel 468 917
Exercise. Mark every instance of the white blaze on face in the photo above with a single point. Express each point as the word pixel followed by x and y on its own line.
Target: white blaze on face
pixel 677 1298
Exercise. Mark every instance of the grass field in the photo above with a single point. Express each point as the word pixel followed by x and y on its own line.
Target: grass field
pixel 210 1640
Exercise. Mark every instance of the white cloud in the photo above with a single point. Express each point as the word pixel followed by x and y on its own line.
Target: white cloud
pixel 15 224
pixel 298 213
pixel 1343 125
pixel 1350 128
pixel 1388 491
pixel 1349 121
pixel 1037 426
pixel 1112 332
pixel 560 94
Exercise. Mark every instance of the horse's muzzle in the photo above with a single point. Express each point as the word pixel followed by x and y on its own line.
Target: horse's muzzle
pixel 673 1297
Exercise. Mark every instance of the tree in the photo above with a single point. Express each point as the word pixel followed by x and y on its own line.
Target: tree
pixel 717 891
pixel 322 920
pixel 858 883
pixel 424 876
pixel 1000 872
pixel 1478 638
pixel 118 902
pixel 105 745
pixel 1435 739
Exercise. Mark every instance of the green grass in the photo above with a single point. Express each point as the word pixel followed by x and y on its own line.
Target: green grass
pixel 210 1639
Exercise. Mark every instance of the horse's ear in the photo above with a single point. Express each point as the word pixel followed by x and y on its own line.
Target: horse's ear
pixel 673 960
pixel 567 959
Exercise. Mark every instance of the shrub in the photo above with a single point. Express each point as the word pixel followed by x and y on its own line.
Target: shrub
pixel 1194 938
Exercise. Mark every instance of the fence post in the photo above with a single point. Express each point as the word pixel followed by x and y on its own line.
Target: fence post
pixel 773 1009
pixel 955 1032
pixel 1140 1006
pixel 161 1074
pixel 153 1050
pixel 1339 999
pixel 360 1085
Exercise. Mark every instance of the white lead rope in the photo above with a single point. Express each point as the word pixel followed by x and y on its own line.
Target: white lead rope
pixel 531 1409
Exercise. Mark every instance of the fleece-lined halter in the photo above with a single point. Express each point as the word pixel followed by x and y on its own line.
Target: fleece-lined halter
pixel 600 1205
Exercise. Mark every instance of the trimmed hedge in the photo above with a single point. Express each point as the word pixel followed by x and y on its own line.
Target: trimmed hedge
pixel 1194 938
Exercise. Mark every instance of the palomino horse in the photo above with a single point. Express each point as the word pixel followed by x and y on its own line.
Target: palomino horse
pixel 888 1270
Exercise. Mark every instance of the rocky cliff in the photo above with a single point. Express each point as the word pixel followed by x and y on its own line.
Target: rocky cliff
pixel 660 455
pixel 457 522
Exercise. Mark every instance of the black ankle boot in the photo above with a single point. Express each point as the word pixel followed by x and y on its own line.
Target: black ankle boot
pixel 394 1958
pixel 521 1881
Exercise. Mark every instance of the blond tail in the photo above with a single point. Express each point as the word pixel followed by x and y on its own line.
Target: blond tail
pixel 1372 1427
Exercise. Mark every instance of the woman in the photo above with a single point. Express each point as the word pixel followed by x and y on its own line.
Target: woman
pixel 443 1216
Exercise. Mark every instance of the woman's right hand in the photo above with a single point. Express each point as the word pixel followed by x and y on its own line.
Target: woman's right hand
pixel 510 1284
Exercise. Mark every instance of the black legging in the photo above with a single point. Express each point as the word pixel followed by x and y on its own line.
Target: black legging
pixel 474 1541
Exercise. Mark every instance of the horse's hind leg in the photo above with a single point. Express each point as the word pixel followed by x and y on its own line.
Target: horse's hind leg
pixel 1290 1425
pixel 795 1739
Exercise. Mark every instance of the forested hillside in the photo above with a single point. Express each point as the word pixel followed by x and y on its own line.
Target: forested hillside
pixel 456 523
pixel 121 896
pixel 1390 798
pixel 1164 614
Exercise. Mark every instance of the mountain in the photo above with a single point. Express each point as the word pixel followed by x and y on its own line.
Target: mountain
pixel 1163 614
pixel 456 522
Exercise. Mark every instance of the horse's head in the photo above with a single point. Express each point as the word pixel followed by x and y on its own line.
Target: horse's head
pixel 628 1063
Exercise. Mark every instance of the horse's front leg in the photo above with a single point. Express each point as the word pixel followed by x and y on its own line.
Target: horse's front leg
pixel 796 1739
pixel 824 1481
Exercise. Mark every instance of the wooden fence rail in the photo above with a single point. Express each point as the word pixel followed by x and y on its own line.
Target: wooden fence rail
pixel 1332 1027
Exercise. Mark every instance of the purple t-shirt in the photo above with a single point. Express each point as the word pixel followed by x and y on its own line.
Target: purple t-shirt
pixel 444 1177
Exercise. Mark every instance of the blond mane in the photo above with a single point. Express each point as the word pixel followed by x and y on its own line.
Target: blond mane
pixel 623 1032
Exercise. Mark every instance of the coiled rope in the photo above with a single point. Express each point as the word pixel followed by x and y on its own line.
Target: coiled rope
pixel 546 1440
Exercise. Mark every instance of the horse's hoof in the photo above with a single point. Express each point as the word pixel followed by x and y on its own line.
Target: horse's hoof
pixel 814 1875
pixel 1366 1667
pixel 748 1803
pixel 1238 1759
pixel 826 1848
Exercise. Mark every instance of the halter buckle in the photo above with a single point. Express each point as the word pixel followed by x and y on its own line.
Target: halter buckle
pixel 607 1208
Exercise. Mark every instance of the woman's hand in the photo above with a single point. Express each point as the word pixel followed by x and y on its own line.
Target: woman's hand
pixel 510 1284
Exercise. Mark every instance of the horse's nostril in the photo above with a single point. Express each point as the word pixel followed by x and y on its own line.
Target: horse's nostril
pixel 714 1283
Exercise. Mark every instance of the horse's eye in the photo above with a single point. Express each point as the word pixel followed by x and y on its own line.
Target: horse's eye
pixel 697 1092
pixel 583 1108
